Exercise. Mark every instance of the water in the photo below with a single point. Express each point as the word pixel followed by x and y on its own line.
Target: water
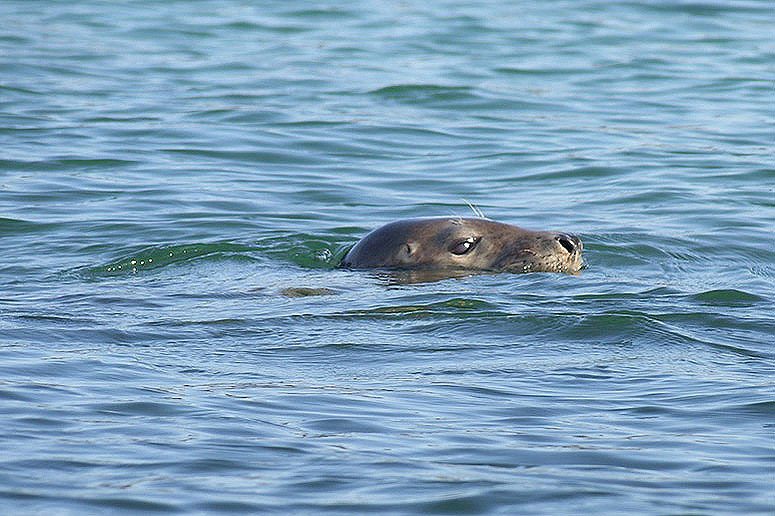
pixel 179 179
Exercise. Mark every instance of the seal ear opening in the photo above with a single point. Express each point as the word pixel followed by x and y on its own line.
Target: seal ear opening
pixel 408 248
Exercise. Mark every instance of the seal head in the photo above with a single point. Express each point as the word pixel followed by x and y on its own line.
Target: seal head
pixel 466 244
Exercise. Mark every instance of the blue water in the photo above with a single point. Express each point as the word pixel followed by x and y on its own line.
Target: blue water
pixel 178 181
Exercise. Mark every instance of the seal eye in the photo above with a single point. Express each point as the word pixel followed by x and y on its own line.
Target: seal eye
pixel 465 246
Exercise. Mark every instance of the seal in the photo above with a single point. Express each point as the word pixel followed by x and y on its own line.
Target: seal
pixel 456 243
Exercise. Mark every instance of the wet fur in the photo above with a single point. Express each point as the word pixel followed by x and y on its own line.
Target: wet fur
pixel 414 244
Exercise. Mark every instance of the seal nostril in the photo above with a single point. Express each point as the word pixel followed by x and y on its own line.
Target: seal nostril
pixel 567 243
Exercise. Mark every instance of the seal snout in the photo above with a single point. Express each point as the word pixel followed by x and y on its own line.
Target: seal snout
pixel 571 243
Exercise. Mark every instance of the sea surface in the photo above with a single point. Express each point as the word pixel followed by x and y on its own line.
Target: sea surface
pixel 179 180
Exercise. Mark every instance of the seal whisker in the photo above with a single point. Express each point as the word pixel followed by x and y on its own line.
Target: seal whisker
pixel 477 211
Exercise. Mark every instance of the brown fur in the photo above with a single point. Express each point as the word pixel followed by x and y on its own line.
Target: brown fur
pixel 493 246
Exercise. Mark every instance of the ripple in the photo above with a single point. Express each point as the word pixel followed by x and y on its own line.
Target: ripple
pixel 727 297
pixel 156 257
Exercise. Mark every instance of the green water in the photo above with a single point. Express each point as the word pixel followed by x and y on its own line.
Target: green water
pixel 178 181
